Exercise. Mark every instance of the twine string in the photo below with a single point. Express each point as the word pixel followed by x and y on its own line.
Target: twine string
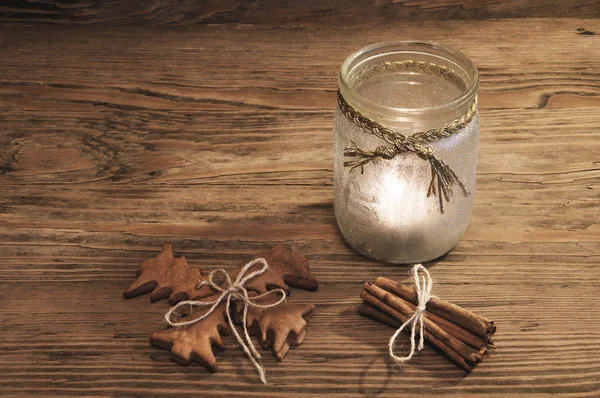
pixel 443 178
pixel 423 285
pixel 233 290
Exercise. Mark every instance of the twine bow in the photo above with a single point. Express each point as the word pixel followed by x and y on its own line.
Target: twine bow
pixel 423 287
pixel 443 178
pixel 228 291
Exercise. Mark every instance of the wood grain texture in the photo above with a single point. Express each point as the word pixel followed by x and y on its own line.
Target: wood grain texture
pixel 218 139
pixel 298 12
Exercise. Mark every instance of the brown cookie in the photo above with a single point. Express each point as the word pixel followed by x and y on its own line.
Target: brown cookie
pixel 279 327
pixel 195 342
pixel 286 268
pixel 165 276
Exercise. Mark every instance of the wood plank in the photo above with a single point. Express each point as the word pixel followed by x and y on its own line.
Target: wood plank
pixel 338 357
pixel 218 139
pixel 171 12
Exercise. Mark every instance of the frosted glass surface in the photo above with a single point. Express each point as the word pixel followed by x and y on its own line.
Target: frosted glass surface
pixel 385 213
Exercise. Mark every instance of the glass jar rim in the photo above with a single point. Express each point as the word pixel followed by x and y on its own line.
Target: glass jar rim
pixel 390 47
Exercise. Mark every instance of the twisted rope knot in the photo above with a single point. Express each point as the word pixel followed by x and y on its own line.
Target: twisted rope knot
pixel 237 293
pixel 386 152
pixel 236 290
pixel 423 287
pixel 233 290
pixel 424 152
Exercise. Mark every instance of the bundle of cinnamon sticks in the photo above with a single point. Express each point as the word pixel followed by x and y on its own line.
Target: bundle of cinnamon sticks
pixel 460 334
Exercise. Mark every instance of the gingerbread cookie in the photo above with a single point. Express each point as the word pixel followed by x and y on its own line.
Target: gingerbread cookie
pixel 165 276
pixel 195 342
pixel 279 327
pixel 286 268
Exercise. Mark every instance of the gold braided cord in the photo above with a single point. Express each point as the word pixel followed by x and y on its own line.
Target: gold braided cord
pixel 443 178
pixel 446 130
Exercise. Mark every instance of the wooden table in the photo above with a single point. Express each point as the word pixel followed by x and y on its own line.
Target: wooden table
pixel 218 138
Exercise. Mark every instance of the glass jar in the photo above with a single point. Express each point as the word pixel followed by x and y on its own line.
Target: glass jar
pixel 406 138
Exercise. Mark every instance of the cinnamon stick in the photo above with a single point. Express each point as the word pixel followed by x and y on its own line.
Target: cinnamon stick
pixel 462 334
pixel 468 353
pixel 378 315
pixel 378 310
pixel 468 320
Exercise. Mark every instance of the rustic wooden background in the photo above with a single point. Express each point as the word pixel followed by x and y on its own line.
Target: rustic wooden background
pixel 190 12
pixel 124 133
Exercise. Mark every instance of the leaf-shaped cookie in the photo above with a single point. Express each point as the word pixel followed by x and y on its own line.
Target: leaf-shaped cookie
pixel 195 342
pixel 165 276
pixel 279 327
pixel 286 268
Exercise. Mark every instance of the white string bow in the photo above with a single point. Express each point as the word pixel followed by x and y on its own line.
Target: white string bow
pixel 423 287
pixel 237 291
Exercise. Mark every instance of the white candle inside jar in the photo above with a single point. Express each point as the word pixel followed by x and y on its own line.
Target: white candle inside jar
pixel 384 212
